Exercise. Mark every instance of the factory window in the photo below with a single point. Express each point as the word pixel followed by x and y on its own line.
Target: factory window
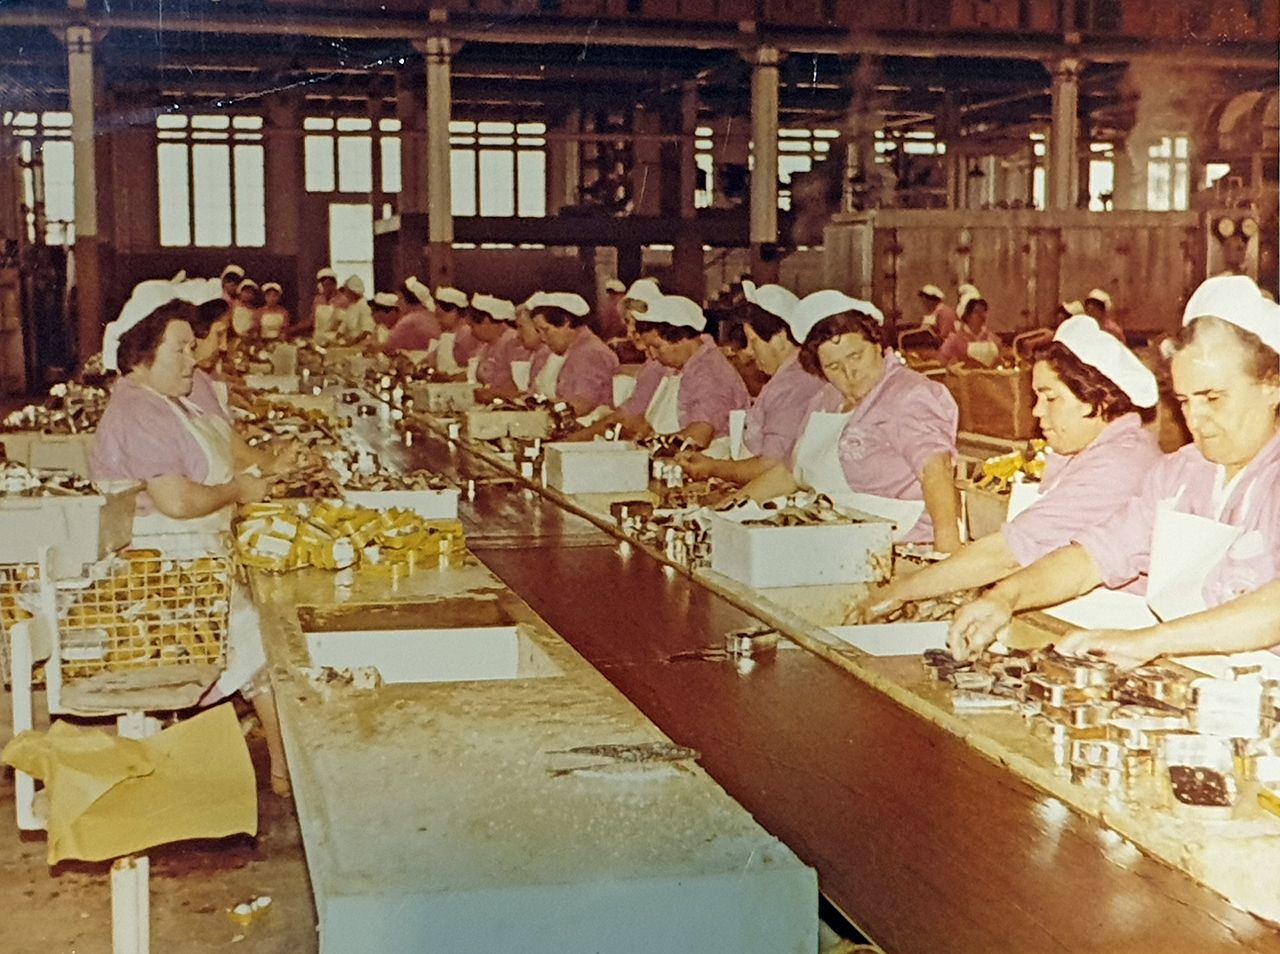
pixel 703 157
pixel 1102 176
pixel 1169 174
pixel 798 150
pixel 498 169
pixel 212 181
pixel 916 142
pixel 351 241
pixel 48 174
pixel 339 154
pixel 1039 182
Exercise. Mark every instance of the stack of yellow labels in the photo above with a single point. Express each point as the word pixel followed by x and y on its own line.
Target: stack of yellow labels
pixel 279 537
pixel 998 472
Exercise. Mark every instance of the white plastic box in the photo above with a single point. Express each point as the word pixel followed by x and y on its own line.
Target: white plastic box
pixel 80 529
pixel 815 555
pixel 428 504
pixel 444 397
pixel 283 383
pixel 49 451
pixel 486 425
pixel 599 467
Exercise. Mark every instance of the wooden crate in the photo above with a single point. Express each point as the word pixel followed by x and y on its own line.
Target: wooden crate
pixel 996 401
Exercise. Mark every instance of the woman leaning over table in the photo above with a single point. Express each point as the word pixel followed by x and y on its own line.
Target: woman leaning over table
pixel 772 423
pixel 156 430
pixel 578 366
pixel 1092 395
pixel 883 440
pixel 1205 530
pixel 701 387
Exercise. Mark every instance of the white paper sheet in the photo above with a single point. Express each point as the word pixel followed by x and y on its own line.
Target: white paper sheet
pixel 1104 609
pixel 1219 667
pixel 893 639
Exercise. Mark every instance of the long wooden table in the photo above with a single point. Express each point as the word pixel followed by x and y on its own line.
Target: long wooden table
pixel 923 843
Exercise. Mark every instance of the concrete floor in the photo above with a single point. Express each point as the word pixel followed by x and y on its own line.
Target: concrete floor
pixel 67 910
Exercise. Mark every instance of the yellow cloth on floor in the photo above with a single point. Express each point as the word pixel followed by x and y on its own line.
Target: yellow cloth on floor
pixel 111 796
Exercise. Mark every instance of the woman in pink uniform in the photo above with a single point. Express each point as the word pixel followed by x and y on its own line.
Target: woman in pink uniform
pixel 579 367
pixel 1092 395
pixel 1205 529
pixel 495 327
pixel 883 440
pixel 772 423
pixel 694 399
pixel 418 326
pixel 972 342
pixel 182 450
pixel 457 343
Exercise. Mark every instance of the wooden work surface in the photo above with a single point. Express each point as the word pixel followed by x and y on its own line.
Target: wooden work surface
pixel 922 842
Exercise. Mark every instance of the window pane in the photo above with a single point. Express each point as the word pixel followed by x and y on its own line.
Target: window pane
pixel 790 164
pixel 171 122
pixel 532 185
pixel 389 125
pixel 318 151
pixel 498 128
pixel 211 188
pixel 210 122
pixel 1180 147
pixel 317 122
pixel 247 122
pixel 1158 186
pixel 462 164
pixel 461 126
pixel 497 183
pixel 1181 186
pixel 355 163
pixel 351 236
pixel 1102 177
pixel 251 197
pixel 59 180
pixel 175 194
pixel 354 124
pixel 390 149
pixel 57 119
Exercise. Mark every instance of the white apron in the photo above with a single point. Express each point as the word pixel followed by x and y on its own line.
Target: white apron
pixel 325 326
pixel 270 324
pixel 520 374
pixel 818 466
pixel 663 412
pixel 242 320
pixel 1021 496
pixel 624 385
pixel 445 361
pixel 245 656
pixel 545 382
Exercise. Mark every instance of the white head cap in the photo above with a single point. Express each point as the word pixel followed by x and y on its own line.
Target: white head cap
pixel 355 285
pixel 247 283
pixel 574 304
pixel 326 272
pixel 145 298
pixel 965 290
pixel 1236 299
pixel 1099 296
pixel 197 291
pixel 272 286
pixel 774 299
pixel 1073 307
pixel 1105 352
pixel 967 300
pixel 386 300
pixel 451 296
pixel 420 292
pixel 677 311
pixel 499 309
pixel 645 290
pixel 232 270
pixel 933 291
pixel 825 303
pixel 615 287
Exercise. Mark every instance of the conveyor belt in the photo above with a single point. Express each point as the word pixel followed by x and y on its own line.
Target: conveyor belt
pixel 921 842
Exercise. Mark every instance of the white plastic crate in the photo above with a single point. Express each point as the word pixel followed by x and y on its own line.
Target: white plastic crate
pixel 49 451
pixel 486 425
pixel 81 529
pixel 811 555
pixel 281 383
pixel 428 504
pixel 598 467
pixel 444 397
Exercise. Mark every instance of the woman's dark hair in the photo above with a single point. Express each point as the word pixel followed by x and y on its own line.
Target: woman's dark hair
pixel 138 345
pixel 674 334
pixel 765 323
pixel 1263 363
pixel 408 295
pixel 204 317
pixel 1088 384
pixel 559 317
pixel 844 323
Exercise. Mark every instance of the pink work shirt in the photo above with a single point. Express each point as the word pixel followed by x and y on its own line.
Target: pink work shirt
pixel 204 394
pixel 904 421
pixel 587 373
pixel 942 320
pixel 1083 490
pixel 494 370
pixel 1186 481
pixel 775 416
pixel 647 378
pixel 414 331
pixel 710 387
pixel 955 349
pixel 465 344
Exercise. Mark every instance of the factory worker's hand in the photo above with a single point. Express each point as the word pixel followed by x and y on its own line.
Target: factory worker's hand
pixel 694 464
pixel 250 489
pixel 977 625
pixel 286 460
pixel 873 607
pixel 1125 648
